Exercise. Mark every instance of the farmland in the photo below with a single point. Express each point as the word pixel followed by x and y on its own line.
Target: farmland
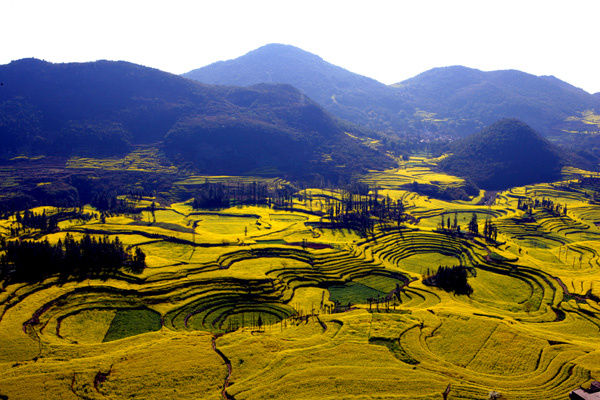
pixel 270 302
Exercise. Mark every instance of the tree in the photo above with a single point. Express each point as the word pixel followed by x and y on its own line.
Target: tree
pixel 473 227
pixel 450 279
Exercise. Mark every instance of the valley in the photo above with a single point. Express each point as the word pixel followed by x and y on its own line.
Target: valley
pixel 277 301
pixel 277 227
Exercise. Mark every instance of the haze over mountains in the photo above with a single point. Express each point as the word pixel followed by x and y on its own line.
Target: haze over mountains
pixel 281 111
pixel 442 101
pixel 104 108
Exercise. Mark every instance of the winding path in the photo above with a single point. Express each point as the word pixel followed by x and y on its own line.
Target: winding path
pixel 224 394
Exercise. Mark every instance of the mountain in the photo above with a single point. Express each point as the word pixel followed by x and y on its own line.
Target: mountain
pixel 442 102
pixel 104 108
pixel 468 99
pixel 275 129
pixel 508 153
pixel 345 94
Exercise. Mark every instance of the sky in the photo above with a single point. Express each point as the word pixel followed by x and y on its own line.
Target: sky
pixel 386 40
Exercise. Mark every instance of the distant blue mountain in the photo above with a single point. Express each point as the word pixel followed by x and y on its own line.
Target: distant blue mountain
pixel 442 101
pixel 104 108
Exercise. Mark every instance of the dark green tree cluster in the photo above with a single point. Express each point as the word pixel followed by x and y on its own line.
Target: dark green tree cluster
pixel 528 205
pixel 450 279
pixel 220 195
pixel 447 226
pixel 108 203
pixel 473 225
pixel 360 209
pixel 70 259
pixel 463 192
pixel 46 223
pixel 490 231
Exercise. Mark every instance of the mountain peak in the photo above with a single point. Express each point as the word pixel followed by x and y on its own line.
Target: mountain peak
pixel 348 95
pixel 282 50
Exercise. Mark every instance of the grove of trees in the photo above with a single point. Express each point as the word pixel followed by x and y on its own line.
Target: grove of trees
pixel 69 259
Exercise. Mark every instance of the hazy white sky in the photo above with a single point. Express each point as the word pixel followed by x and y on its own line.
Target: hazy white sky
pixel 385 40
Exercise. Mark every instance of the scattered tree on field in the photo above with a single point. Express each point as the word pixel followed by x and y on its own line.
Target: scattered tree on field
pixel 473 227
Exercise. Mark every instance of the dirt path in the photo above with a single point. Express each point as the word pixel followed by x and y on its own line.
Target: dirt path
pixel 224 394
pixel 576 296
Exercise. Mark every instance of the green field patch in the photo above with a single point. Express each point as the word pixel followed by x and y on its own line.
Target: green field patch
pixel 353 292
pixel 500 258
pixel 395 347
pixel 132 322
pixel 380 283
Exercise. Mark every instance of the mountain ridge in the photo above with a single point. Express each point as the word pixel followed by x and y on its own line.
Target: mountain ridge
pixel 438 103
pixel 350 96
pixel 103 108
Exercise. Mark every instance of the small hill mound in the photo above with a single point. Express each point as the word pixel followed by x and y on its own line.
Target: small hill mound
pixel 506 154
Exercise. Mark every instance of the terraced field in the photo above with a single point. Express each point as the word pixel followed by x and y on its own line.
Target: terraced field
pixel 258 303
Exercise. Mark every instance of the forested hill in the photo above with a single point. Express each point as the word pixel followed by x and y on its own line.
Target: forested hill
pixel 508 153
pixel 450 101
pixel 347 95
pixel 470 99
pixel 103 108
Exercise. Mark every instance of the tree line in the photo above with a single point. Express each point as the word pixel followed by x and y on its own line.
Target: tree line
pixel 528 205
pixel 69 259
pixel 219 195
pixel 360 209
pixel 45 223
pixel 490 231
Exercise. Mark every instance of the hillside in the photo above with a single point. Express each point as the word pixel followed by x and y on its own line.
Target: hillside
pixel 506 154
pixel 104 108
pixel 347 95
pixel 450 101
pixel 289 290
pixel 469 99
